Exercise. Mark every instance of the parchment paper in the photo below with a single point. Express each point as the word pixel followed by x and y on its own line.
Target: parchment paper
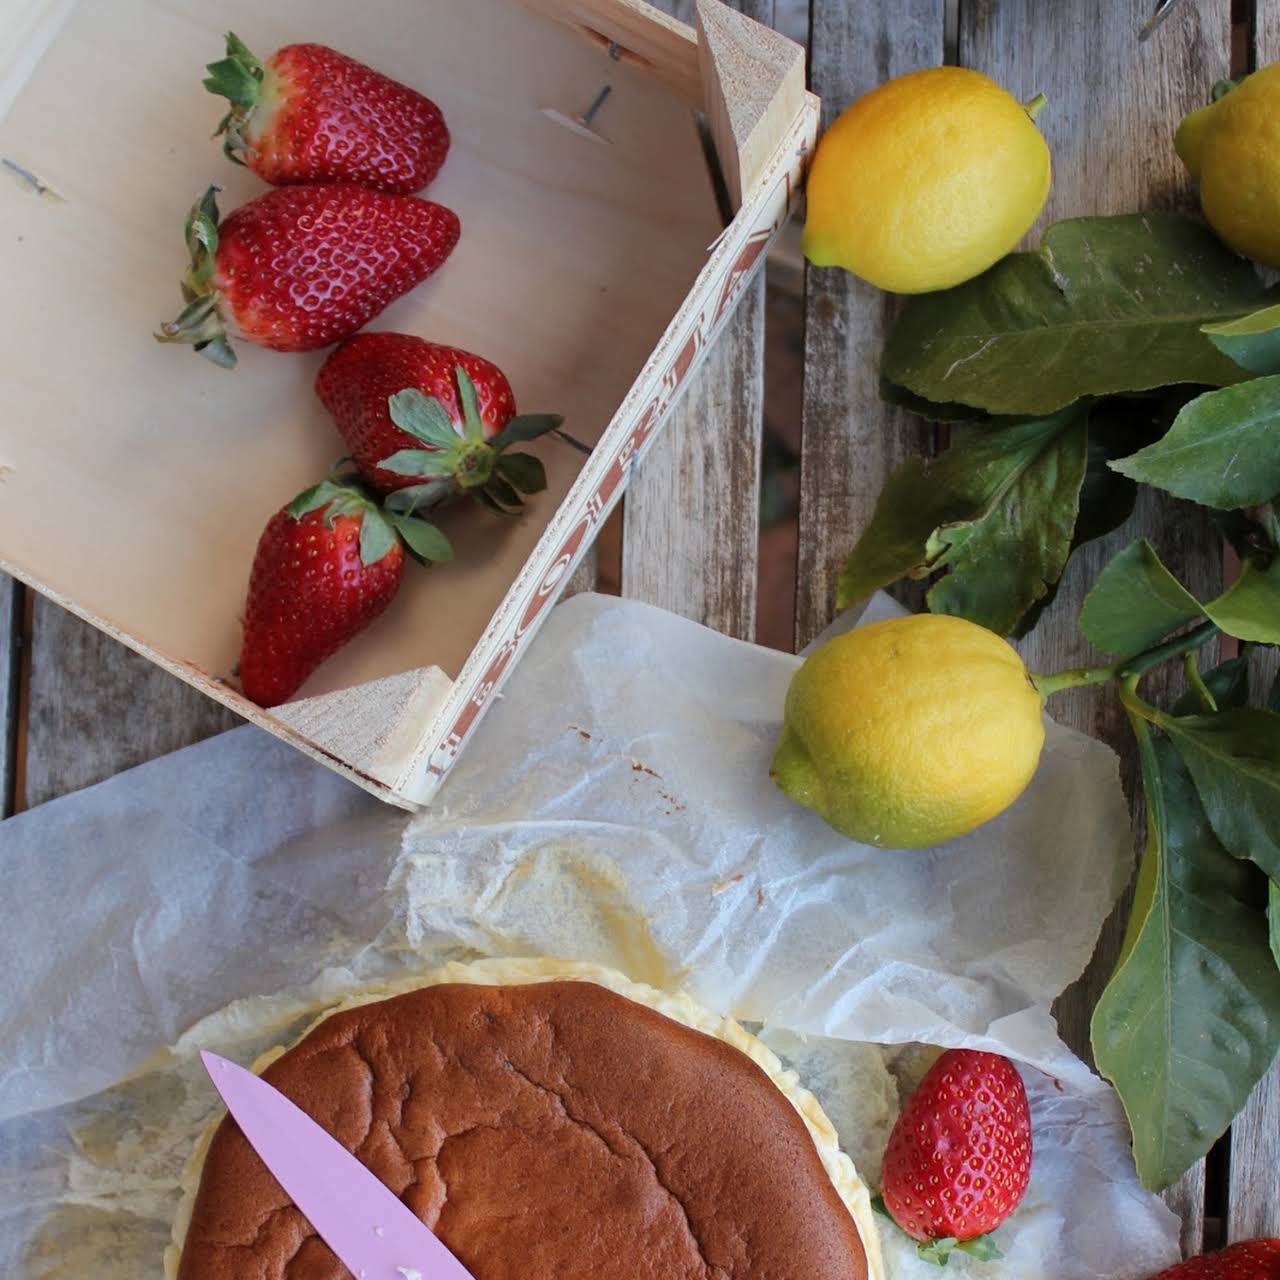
pixel 614 807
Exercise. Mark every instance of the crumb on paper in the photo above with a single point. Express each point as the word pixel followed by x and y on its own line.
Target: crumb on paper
pixel 32 181
pixel 581 732
pixel 721 885
pixel 637 767
pixel 759 898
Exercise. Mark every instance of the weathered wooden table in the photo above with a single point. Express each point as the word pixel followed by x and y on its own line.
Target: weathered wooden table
pixel 78 707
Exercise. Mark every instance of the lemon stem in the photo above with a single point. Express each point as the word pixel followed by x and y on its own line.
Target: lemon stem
pixel 1195 682
pixel 1128 669
pixel 1035 106
pixel 1077 677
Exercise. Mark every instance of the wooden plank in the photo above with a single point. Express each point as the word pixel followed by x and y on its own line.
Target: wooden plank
pixel 1265 33
pixel 691 519
pixel 691 524
pixel 1113 106
pixel 1253 1189
pixel 95 708
pixel 851 441
pixel 11 604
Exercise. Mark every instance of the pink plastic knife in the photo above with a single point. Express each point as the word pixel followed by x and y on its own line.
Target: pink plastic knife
pixel 358 1217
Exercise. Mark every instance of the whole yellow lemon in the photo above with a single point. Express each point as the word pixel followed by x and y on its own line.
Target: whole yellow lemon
pixel 926 181
pixel 1233 149
pixel 910 732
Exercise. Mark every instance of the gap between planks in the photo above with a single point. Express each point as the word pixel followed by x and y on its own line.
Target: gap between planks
pixel 11 606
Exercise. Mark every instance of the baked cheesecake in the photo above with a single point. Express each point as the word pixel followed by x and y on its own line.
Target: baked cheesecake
pixel 547 1121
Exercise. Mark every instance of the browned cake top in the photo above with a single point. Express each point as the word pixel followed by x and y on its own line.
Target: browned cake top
pixel 554 1131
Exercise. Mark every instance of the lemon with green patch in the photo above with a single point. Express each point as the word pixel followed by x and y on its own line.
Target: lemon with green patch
pixel 910 732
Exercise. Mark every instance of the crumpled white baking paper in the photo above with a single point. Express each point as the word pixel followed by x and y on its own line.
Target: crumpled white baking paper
pixel 614 807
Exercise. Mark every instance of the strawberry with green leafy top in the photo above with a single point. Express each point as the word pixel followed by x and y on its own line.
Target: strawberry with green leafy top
pixel 311 114
pixel 327 565
pixel 301 267
pixel 427 422
pixel 959 1157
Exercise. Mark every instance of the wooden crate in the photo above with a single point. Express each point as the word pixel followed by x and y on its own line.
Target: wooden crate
pixel 594 268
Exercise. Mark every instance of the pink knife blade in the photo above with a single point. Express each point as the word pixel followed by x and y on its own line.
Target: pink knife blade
pixel 358 1217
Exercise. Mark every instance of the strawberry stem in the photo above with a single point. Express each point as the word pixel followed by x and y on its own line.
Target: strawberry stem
pixel 199 324
pixel 466 460
pixel 238 78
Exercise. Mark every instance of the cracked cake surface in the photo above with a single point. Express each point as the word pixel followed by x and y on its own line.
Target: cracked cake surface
pixel 549 1129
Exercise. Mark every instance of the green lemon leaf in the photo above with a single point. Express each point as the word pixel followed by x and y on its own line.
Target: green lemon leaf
pixel 525 472
pixel 423 417
pixel 377 538
pixel 420 462
pixel 1107 497
pixel 1190 1020
pixel 1135 602
pixel 1234 757
pixel 995 487
pixel 1105 305
pixel 1249 609
pixel 1221 450
pixel 1250 539
pixel 527 427
pixel 422 538
pixel 1000 567
pixel 1253 341
pixel 1104 504
pixel 891 393
pixel 1273 917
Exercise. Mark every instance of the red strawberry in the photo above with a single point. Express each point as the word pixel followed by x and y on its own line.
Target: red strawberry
pixel 1248 1260
pixel 430 421
pixel 310 114
pixel 326 566
pixel 301 267
pixel 959 1156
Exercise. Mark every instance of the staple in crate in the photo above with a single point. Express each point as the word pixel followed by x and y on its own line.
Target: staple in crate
pixel 583 271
